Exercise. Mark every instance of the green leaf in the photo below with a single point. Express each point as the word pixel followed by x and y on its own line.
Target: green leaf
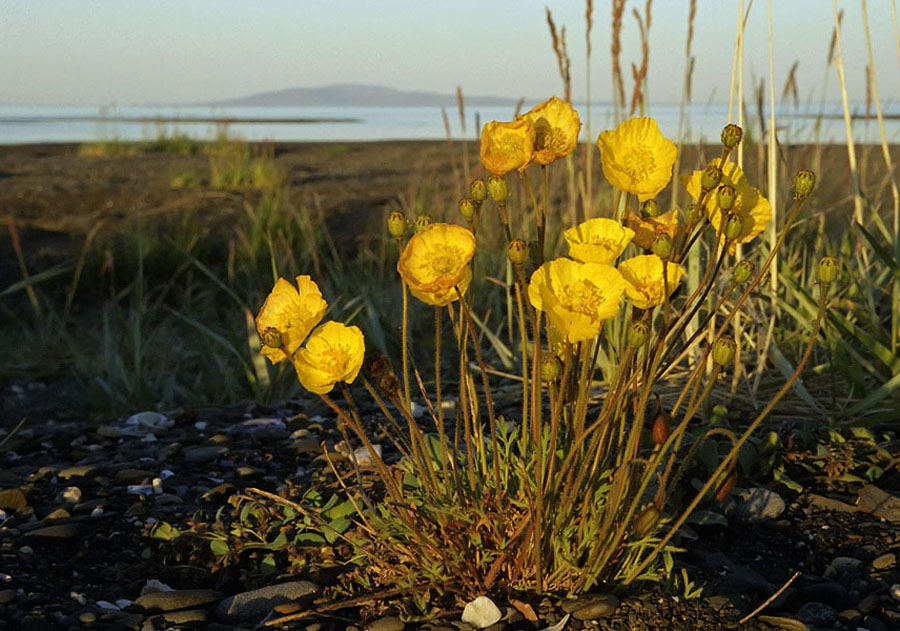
pixel 267 565
pixel 309 538
pixel 707 518
pixel 344 509
pixel 165 531
pixel 783 478
pixel 881 250
pixel 219 547
pixel 279 542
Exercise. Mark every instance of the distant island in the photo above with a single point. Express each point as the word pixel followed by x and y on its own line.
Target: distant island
pixel 355 94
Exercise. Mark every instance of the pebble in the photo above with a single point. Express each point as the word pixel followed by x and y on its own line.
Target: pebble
pixel 7 596
pixel 895 591
pixel 817 614
pixel 177 599
pixel 12 499
pixel 81 471
pixel 204 454
pixel 481 613
pixel 185 616
pixel 843 565
pixel 126 477
pixel 829 591
pixel 60 514
pixel 52 534
pixel 254 605
pixel 884 561
pixel 388 623
pixel 758 504
pixel 72 495
pixel 869 604
pixel 780 622
pixel 87 617
pixel 592 606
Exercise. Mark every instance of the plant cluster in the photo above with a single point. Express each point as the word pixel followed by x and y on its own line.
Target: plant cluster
pixel 578 485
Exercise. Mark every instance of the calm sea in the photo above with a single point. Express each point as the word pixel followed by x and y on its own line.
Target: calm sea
pixel 41 124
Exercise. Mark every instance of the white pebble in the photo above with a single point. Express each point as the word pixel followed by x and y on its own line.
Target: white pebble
pixel 481 612
pixel 79 598
pixel 97 512
pixel 26 550
pixel 72 495
pixel 895 591
pixel 157 486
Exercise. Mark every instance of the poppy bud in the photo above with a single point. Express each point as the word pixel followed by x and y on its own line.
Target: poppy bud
pixel 377 364
pixel 479 190
pixel 723 351
pixel 828 269
pixel 396 223
pixel 467 207
pixel 804 183
pixel 551 368
pixel 725 485
pixel 498 189
pixel 725 197
pixel 650 208
pixel 517 250
pixel 662 425
pixel 710 177
pixel 734 226
pixel 693 214
pixel 742 272
pixel 389 384
pixel 638 333
pixel 646 522
pixel 662 245
pixel 731 136
pixel 422 222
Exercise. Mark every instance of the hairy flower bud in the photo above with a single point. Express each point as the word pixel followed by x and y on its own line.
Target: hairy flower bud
pixel 734 226
pixel 742 272
pixel 638 333
pixel 422 222
pixel 725 197
pixel 389 384
pixel 650 208
pixel 693 214
pixel 710 177
pixel 662 245
pixel 725 485
pixel 804 183
pixel 498 189
pixel 828 269
pixel 662 425
pixel 479 190
pixel 377 364
pixel 723 351
pixel 396 223
pixel 467 207
pixel 646 522
pixel 551 368
pixel 731 136
pixel 517 250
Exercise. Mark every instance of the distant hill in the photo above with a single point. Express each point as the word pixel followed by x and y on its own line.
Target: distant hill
pixel 354 94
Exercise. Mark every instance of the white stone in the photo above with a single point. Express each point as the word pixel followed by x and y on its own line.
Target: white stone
pixel 72 495
pixel 895 591
pixel 481 613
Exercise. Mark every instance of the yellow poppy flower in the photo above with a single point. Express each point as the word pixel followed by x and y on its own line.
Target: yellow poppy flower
pixel 507 145
pixel 556 126
pixel 636 157
pixel 597 240
pixel 646 228
pixel 754 210
pixel 643 276
pixel 288 315
pixel 334 352
pixel 576 296
pixel 435 262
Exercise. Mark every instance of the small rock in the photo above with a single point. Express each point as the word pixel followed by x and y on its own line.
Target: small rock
pixel 177 599
pixel 81 471
pixel 884 561
pixel 59 514
pixel 895 591
pixel 758 504
pixel 52 534
pixel 828 591
pixel 204 454
pixel 780 622
pixel 71 496
pixel 259 429
pixel 481 613
pixel 593 606
pixel 388 623
pixel 87 617
pixel 869 604
pixel 257 603
pixel 185 616
pixel 126 477
pixel 842 565
pixel 12 499
pixel 872 624
pixel 817 614
pixel 7 596
pixel 883 505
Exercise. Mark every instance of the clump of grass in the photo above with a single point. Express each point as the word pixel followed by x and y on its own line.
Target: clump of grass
pixel 236 164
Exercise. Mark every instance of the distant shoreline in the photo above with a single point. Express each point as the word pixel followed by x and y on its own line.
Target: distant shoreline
pixel 224 120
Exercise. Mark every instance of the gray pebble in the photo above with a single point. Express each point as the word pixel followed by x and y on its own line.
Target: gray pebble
pixel 388 623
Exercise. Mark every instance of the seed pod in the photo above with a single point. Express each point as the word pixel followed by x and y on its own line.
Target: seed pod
pixel 725 197
pixel 693 214
pixel 517 250
pixel 498 189
pixel 710 177
pixel 828 269
pixel 662 426
pixel 389 384
pixel 650 208
pixel 804 183
pixel 723 351
pixel 742 272
pixel 467 207
pixel 396 223
pixel 647 521
pixel 377 364
pixel 734 226
pixel 638 333
pixel 422 222
pixel 662 245
pixel 479 190
pixel 731 136
pixel 551 368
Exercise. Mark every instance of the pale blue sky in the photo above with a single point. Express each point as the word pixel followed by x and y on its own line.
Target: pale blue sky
pixel 179 51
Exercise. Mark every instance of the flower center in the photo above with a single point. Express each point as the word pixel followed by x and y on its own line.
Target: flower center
pixel 444 262
pixel 638 162
pixel 582 297
pixel 543 134
pixel 334 359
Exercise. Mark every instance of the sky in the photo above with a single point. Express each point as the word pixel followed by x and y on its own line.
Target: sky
pixel 176 51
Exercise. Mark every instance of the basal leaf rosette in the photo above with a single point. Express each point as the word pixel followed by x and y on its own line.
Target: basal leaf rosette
pixel 577 297
pixel 636 157
pixel 598 240
pixel 754 210
pixel 288 315
pixel 646 229
pixel 556 126
pixel 507 145
pixel 644 284
pixel 435 263
pixel 334 352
